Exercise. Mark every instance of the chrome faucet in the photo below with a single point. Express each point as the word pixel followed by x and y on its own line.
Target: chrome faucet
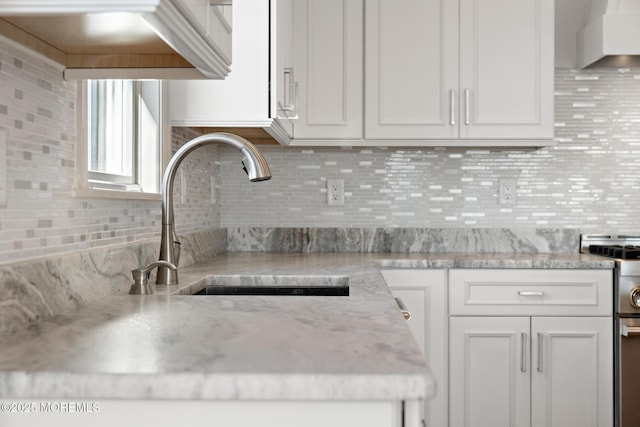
pixel 254 165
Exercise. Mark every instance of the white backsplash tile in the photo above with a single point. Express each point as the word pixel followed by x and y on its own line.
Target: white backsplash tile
pixel 589 181
pixel 38 215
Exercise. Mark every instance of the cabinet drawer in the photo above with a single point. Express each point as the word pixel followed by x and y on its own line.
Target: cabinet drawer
pixel 530 292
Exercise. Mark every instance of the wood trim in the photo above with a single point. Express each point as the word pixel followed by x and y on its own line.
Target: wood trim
pixel 163 38
pixel 25 39
pixel 254 135
pixel 127 61
pixel 29 41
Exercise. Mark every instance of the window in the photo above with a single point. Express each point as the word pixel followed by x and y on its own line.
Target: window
pixel 124 145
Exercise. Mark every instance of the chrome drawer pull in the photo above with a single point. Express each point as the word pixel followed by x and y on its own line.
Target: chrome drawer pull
pixel 452 107
pixel 403 309
pixel 531 293
pixel 466 107
pixel 540 354
pixel 523 355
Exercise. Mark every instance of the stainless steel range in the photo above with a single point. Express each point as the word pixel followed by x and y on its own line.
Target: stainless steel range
pixel 625 250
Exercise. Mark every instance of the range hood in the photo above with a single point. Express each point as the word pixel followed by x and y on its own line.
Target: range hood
pixel 611 34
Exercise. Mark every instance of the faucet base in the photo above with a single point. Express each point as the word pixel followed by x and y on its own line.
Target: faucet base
pixel 166 276
pixel 137 289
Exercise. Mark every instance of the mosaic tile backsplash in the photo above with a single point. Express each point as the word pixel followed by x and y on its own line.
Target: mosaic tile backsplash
pixel 589 181
pixel 38 215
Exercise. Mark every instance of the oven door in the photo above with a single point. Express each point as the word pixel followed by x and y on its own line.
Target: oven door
pixel 628 372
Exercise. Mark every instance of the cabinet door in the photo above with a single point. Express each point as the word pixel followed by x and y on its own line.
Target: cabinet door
pixel 506 68
pixel 328 65
pixel 283 77
pixel 572 377
pixel 489 365
pixel 424 293
pixel 411 62
pixel 243 97
pixel 208 413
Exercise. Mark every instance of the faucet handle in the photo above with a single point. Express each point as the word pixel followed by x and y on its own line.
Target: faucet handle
pixel 141 277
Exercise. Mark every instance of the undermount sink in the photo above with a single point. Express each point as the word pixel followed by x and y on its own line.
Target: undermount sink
pixel 276 285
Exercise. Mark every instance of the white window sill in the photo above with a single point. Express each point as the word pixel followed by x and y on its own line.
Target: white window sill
pixel 100 193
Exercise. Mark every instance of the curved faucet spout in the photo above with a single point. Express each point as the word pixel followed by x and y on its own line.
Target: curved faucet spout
pixel 254 165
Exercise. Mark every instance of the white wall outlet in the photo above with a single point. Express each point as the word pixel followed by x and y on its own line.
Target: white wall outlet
pixel 507 191
pixel 335 192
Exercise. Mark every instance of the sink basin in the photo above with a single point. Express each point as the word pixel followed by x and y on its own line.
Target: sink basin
pixel 276 285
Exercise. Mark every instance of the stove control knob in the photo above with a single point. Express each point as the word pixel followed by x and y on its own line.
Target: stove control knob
pixel 634 297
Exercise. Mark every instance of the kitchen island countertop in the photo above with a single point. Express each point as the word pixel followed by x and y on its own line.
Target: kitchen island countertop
pixel 172 345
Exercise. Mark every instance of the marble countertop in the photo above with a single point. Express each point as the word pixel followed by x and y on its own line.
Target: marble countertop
pixel 495 260
pixel 172 345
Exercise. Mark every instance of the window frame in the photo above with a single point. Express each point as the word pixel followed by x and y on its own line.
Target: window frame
pixel 82 186
pixel 108 180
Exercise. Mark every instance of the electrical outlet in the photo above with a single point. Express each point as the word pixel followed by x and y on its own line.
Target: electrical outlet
pixel 507 191
pixel 335 192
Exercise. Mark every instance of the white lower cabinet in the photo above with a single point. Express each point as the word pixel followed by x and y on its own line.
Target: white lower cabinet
pixel 542 368
pixel 530 371
pixel 572 379
pixel 202 413
pixel 424 292
pixel 489 383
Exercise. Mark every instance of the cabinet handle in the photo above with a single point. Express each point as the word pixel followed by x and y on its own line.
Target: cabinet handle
pixel 288 89
pixel 531 293
pixel 290 96
pixel 403 309
pixel 452 107
pixel 539 352
pixel 466 106
pixel 523 349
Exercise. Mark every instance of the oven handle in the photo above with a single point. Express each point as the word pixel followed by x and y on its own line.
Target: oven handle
pixel 628 330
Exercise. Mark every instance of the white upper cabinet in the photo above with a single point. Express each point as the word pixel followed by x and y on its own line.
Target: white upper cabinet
pixel 160 39
pixel 506 69
pixel 328 66
pixel 251 100
pixel 384 73
pixel 411 69
pixel 478 70
pixel 284 84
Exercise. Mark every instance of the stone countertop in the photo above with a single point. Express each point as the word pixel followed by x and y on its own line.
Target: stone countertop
pixel 204 347
pixel 494 260
pixel 175 346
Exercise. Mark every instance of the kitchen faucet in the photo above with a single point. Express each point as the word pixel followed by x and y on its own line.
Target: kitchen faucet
pixel 254 165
